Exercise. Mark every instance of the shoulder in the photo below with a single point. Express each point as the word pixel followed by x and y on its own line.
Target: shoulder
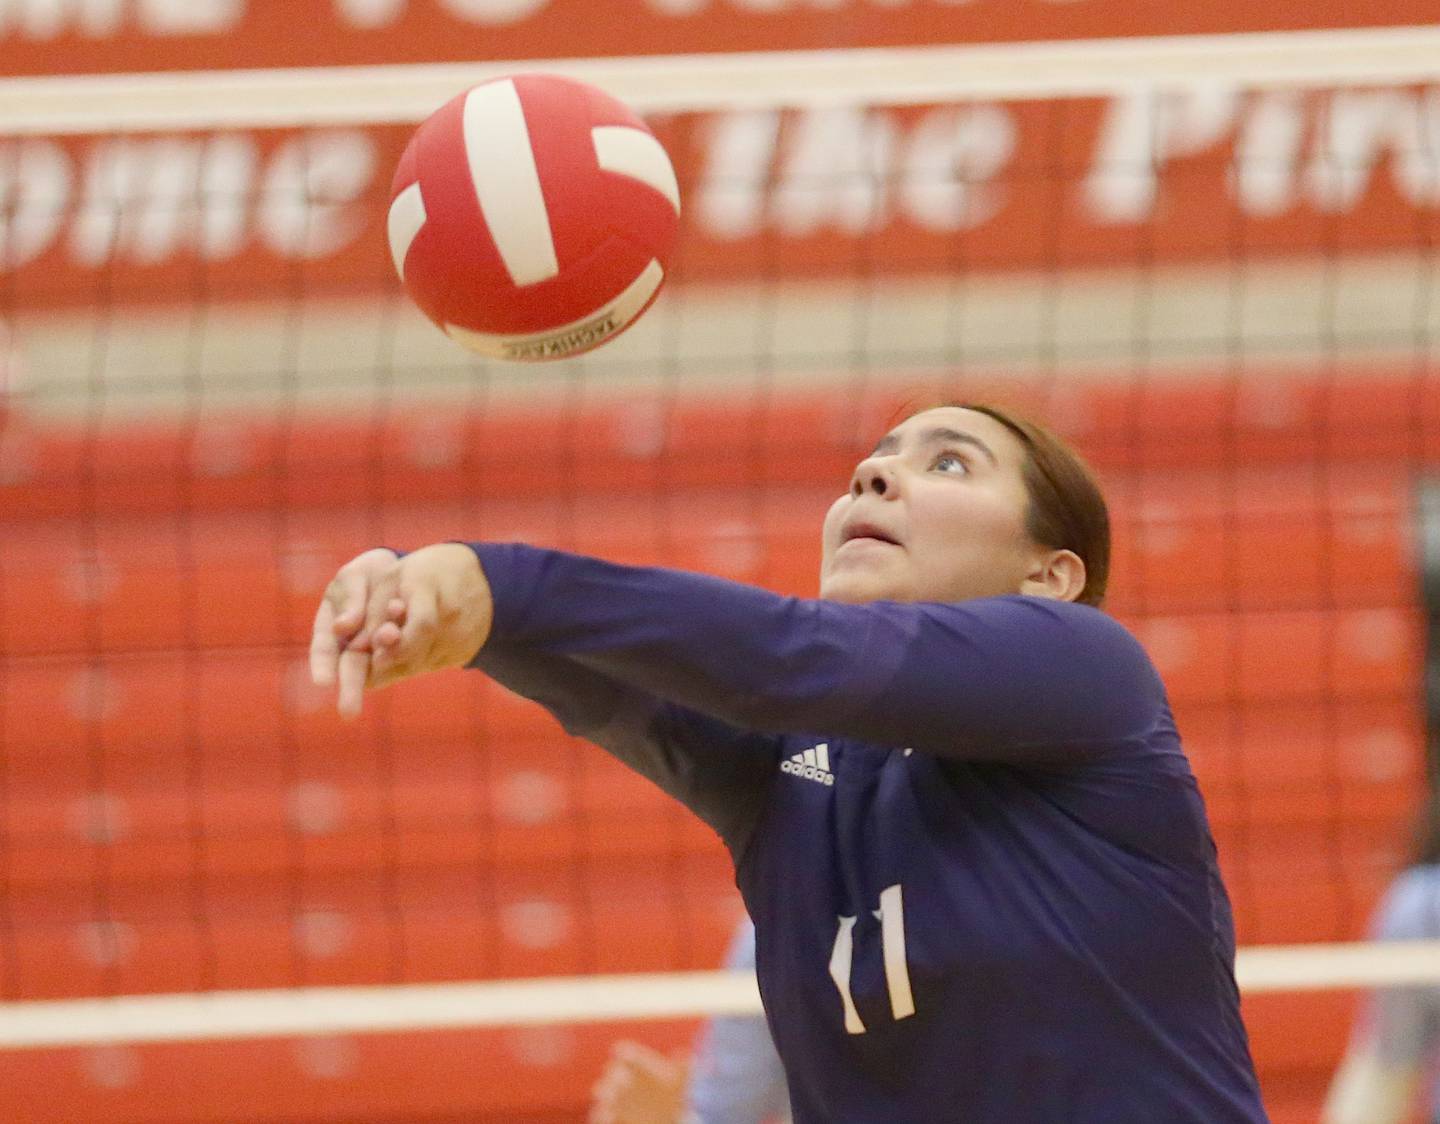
pixel 1083 620
pixel 1080 635
pixel 1062 673
pixel 1028 611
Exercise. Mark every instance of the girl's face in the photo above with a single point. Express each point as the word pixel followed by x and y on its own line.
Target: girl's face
pixel 937 513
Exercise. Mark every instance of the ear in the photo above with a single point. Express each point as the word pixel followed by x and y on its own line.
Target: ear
pixel 1057 574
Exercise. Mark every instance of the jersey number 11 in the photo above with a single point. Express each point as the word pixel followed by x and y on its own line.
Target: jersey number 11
pixel 891 916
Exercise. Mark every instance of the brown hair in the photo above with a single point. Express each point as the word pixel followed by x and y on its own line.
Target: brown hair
pixel 1067 509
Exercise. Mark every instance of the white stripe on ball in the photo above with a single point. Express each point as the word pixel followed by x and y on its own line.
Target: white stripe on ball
pixel 507 183
pixel 407 216
pixel 637 154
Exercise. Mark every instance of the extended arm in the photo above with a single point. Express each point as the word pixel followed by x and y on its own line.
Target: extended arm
pixel 384 619
pixel 1009 679
pixel 1005 678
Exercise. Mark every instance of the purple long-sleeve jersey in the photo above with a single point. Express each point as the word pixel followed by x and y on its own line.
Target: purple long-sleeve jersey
pixel 982 880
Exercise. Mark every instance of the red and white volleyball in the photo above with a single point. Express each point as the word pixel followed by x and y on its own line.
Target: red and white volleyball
pixel 532 217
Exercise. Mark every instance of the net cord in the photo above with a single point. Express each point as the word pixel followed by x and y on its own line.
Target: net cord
pixel 401 94
pixel 582 999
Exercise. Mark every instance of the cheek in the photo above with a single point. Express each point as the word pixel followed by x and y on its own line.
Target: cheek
pixel 830 529
pixel 974 522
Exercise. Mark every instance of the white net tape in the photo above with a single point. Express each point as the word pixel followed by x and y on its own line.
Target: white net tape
pixel 667 995
pixel 681 83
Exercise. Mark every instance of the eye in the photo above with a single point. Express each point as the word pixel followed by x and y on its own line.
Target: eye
pixel 950 463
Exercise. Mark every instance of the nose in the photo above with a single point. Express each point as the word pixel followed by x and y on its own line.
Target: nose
pixel 874 474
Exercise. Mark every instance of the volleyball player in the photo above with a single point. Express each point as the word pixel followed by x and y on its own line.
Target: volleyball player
pixel 735 1077
pixel 1394 1049
pixel 982 879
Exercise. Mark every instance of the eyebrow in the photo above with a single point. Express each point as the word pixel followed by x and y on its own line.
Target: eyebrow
pixel 890 442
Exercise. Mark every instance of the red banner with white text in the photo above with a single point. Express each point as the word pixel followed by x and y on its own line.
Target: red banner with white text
pixel 974 186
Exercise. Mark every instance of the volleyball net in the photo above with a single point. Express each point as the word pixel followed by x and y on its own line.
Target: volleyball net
pixel 1209 262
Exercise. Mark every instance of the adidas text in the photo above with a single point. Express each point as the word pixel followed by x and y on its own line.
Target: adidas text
pixel 812 765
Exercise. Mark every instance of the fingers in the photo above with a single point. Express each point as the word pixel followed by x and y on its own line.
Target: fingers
pixel 341 612
pixel 353 671
pixel 362 658
pixel 648 1061
pixel 613 1097
pixel 388 632
pixel 324 648
pixel 406 636
pixel 382 620
pixel 367 616
pixel 340 643
pixel 387 636
pixel 604 1095
pixel 350 592
pixel 639 1086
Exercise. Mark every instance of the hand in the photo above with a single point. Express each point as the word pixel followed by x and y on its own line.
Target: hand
pixel 384 619
pixel 639 1086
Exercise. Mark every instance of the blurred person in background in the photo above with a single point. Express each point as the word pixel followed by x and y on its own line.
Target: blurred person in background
pixel 1392 1064
pixel 735 1076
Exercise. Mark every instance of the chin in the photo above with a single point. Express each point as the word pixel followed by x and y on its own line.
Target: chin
pixel 855 589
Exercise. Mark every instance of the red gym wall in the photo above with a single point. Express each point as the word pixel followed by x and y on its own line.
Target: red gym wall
pixel 1284 677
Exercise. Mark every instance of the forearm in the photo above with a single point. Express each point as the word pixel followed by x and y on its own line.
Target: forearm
pixel 583 701
pixel 737 652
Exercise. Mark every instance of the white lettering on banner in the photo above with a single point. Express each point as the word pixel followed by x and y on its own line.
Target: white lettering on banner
pixel 493 11
pixel 951 156
pixel 35 187
pixel 99 19
pixel 1141 131
pixel 1267 153
pixel 1360 128
pixel 850 169
pixel 307 200
pixel 191 17
pixel 1420 166
pixel 840 172
pixel 739 149
pixel 149 200
pixel 836 171
pixel 1351 133
pixel 230 160
pixel 45 19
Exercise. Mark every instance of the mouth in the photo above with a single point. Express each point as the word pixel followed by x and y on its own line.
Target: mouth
pixel 867 531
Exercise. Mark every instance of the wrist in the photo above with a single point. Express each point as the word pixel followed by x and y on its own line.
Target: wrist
pixel 465 594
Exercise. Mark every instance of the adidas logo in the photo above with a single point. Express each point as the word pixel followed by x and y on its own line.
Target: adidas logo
pixel 813 765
